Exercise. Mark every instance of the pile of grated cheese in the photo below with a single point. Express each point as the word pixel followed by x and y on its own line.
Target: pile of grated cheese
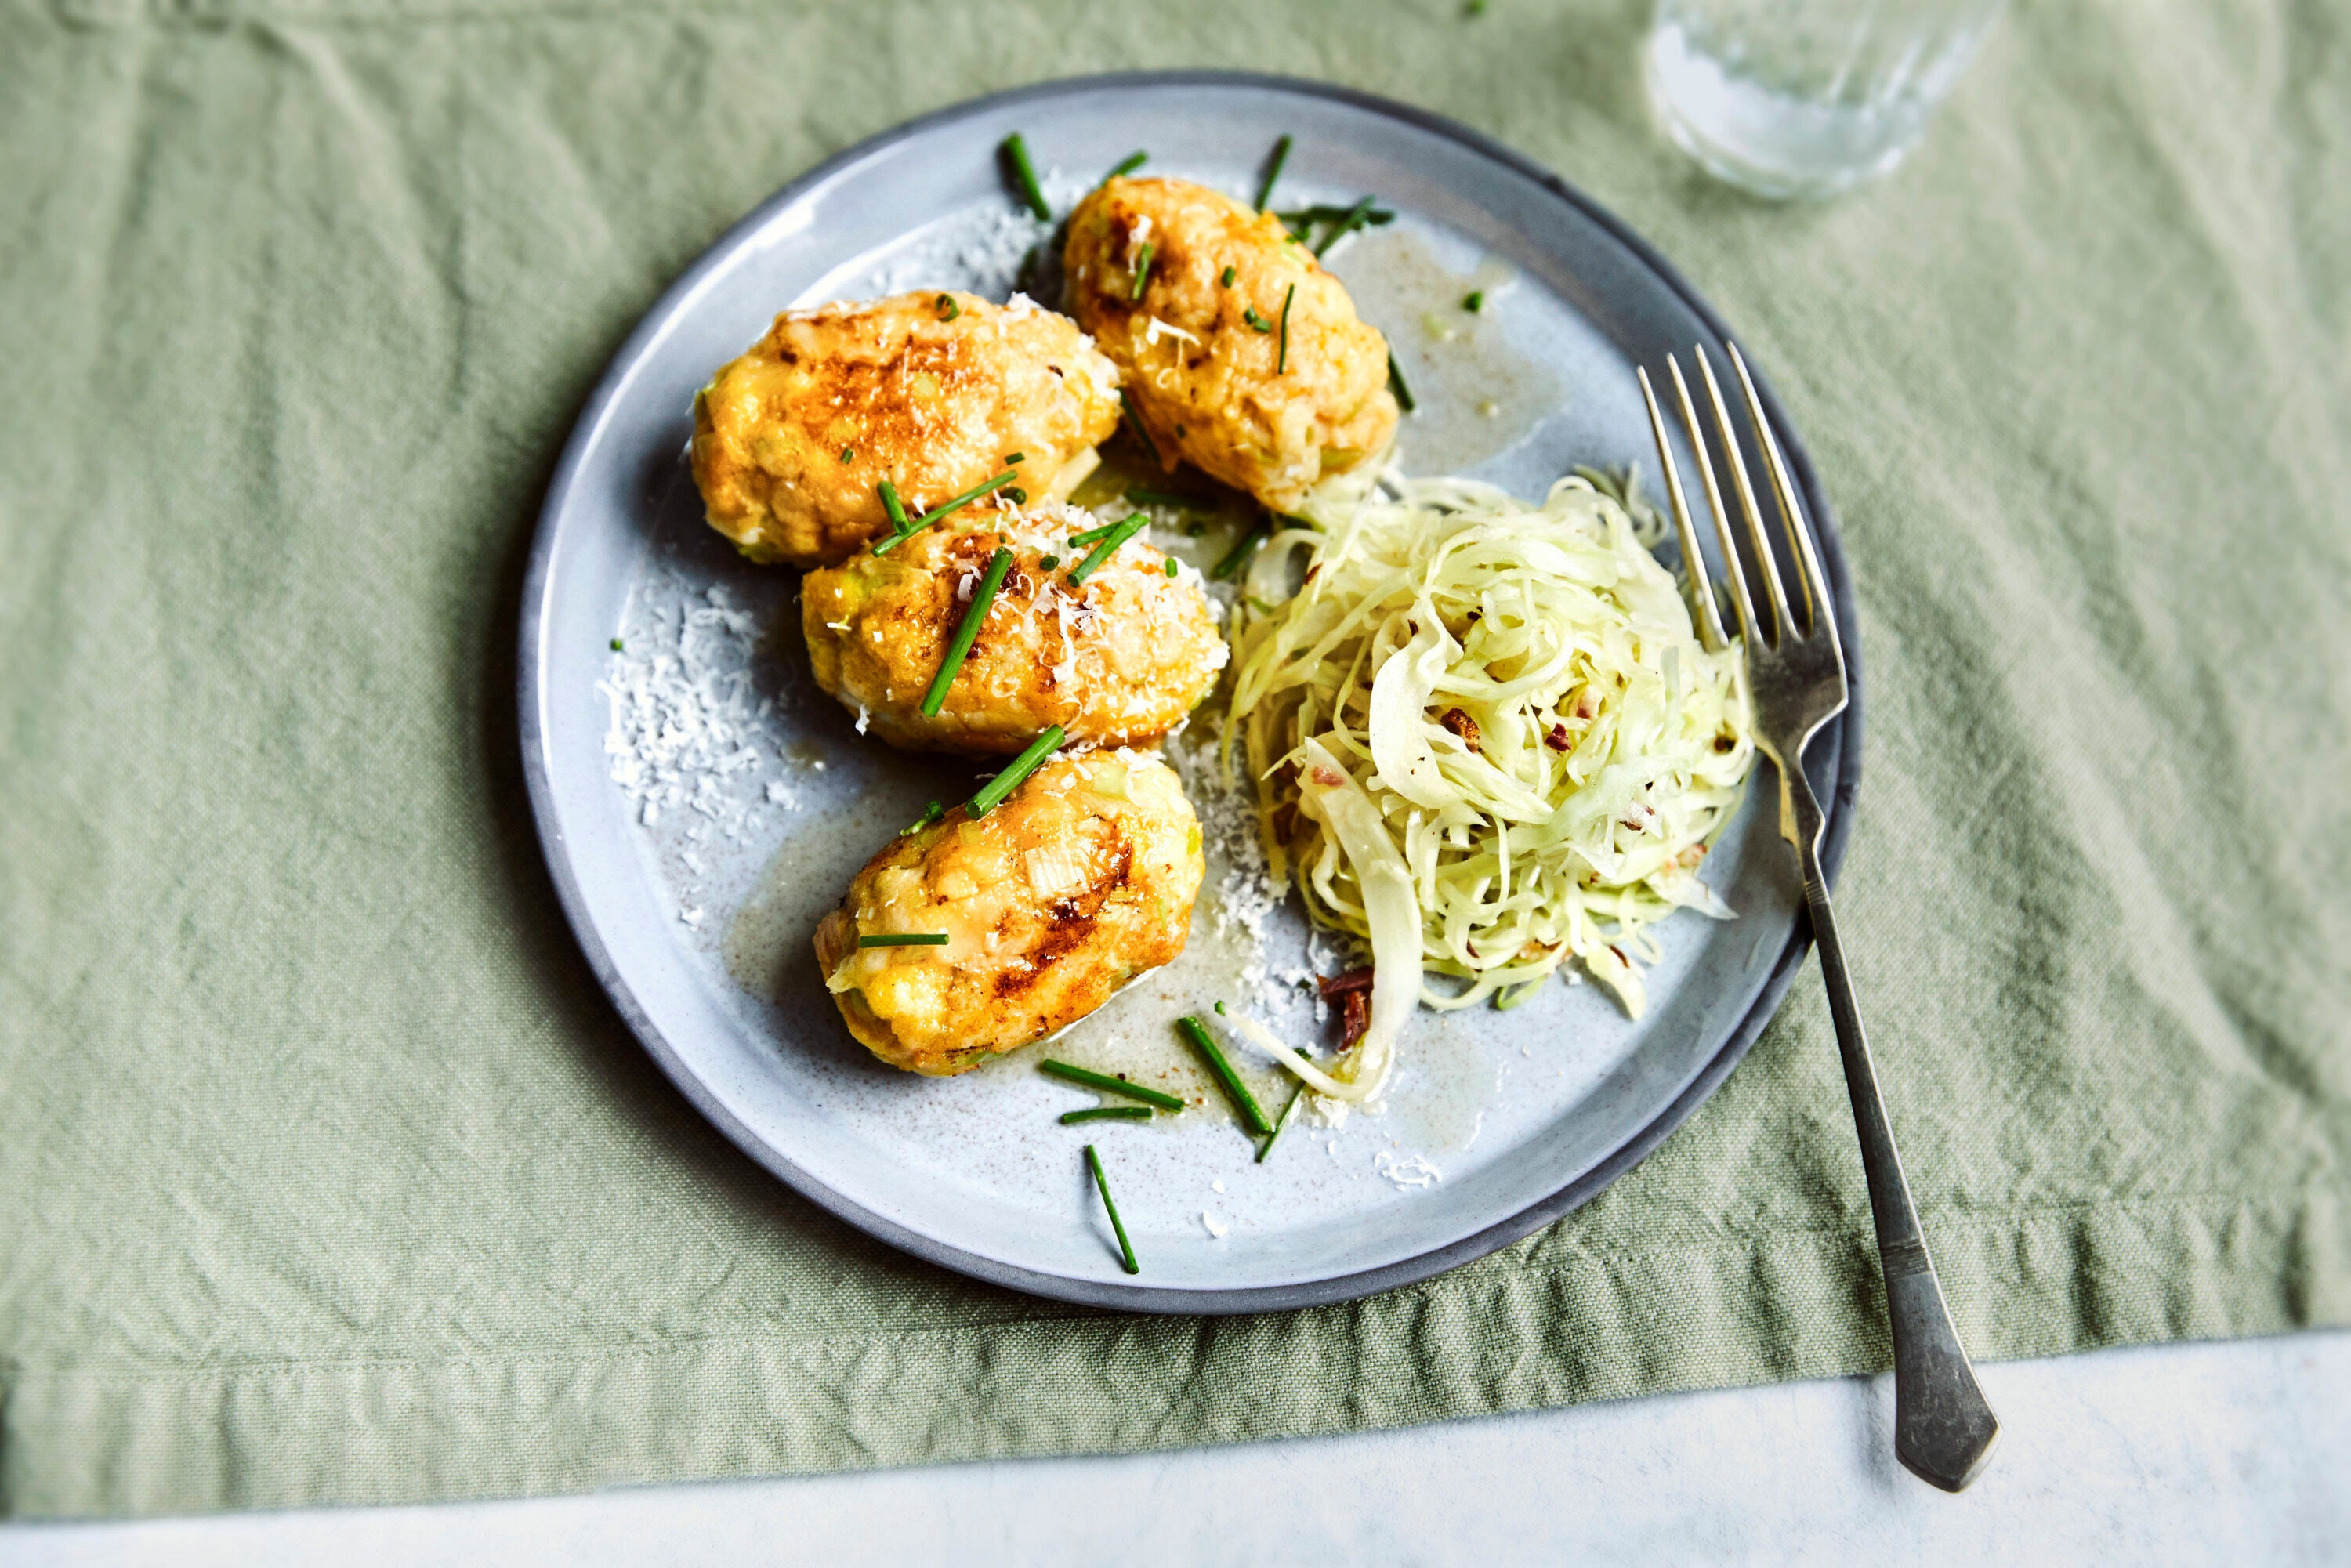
pixel 688 724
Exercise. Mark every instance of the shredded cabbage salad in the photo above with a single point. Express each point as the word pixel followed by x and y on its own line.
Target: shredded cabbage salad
pixel 1485 739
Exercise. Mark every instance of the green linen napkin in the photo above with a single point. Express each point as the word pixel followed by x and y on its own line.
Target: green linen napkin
pixel 329 1177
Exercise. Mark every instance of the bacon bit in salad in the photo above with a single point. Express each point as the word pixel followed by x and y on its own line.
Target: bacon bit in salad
pixel 1341 985
pixel 1354 1019
pixel 1557 740
pixel 1462 725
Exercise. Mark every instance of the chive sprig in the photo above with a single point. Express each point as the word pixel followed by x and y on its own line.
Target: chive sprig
pixel 1106 1084
pixel 1355 218
pixel 1397 385
pixel 1025 173
pixel 1302 217
pixel 1142 496
pixel 1280 1121
pixel 1107 1113
pixel 1101 1185
pixel 968 632
pixel 1252 1117
pixel 1109 542
pixel 1282 360
pixel 903 528
pixel 1135 423
pixel 1003 784
pixel 1238 556
pixel 1272 172
pixel 903 939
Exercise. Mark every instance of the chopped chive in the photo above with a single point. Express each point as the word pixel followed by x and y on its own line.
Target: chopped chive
pixel 1029 278
pixel 1135 422
pixel 1397 385
pixel 1282 360
pixel 1171 566
pixel 1474 9
pixel 1356 219
pixel 992 795
pixel 1078 541
pixel 1281 1121
pixel 1239 557
pixel 1229 274
pixel 946 307
pixel 1143 496
pixel 1101 1185
pixel 1108 1085
pixel 1256 322
pixel 1244 1102
pixel 974 494
pixel 1474 301
pixel 1272 172
pixel 908 529
pixel 616 644
pixel 897 510
pixel 1107 1113
pixel 1220 1010
pixel 1016 458
pixel 1102 551
pixel 1026 173
pixel 903 939
pixel 960 648
pixel 849 455
pixel 1304 216
pixel 1142 270
pixel 931 813
pixel 1128 164
pixel 1049 563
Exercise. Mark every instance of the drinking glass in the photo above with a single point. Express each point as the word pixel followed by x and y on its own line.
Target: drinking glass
pixel 1806 98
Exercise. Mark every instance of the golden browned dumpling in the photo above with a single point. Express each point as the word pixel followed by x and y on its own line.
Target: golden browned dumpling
pixel 1082 880
pixel 1117 660
pixel 931 392
pixel 1202 359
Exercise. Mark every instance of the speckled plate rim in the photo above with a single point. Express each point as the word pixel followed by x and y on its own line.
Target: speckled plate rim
pixel 1838 801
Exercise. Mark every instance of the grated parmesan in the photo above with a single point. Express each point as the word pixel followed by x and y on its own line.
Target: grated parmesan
pixel 686 717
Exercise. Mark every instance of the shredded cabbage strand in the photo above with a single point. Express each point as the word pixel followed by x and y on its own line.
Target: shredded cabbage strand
pixel 1485 739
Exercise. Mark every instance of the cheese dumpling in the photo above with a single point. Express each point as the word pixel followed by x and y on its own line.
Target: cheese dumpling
pixel 1186 289
pixel 1117 660
pixel 933 392
pixel 1081 880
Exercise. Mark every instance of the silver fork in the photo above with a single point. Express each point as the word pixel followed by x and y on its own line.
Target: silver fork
pixel 1943 1429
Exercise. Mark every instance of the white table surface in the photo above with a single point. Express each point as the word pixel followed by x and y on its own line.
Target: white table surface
pixel 2228 1453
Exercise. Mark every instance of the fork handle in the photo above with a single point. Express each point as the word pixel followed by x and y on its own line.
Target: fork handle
pixel 1943 1426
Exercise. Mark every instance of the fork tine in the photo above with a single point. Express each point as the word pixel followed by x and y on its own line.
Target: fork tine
pixel 1731 567
pixel 1791 516
pixel 1710 619
pixel 1782 623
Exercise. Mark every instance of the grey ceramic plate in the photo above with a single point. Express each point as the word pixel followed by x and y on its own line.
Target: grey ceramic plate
pixel 701 804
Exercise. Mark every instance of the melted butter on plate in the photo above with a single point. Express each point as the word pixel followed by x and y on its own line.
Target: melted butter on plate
pixel 1475 393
